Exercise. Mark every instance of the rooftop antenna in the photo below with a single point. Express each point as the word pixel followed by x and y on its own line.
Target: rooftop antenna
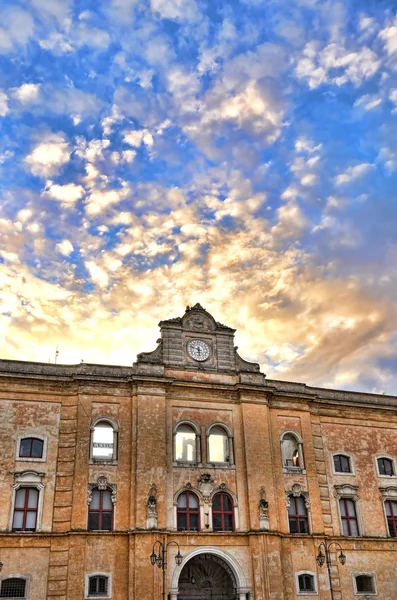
pixel 56 354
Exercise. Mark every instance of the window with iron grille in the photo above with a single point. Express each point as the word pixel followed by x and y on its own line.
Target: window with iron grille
pixel 222 513
pixel 385 467
pixel 187 512
pixel 100 511
pixel 25 509
pixel 14 587
pixel 342 463
pixel 365 584
pixel 306 583
pixel 391 514
pixel 349 518
pixel 31 447
pixel 98 585
pixel 297 515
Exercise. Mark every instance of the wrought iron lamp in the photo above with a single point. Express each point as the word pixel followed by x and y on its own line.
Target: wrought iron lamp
pixel 160 559
pixel 325 557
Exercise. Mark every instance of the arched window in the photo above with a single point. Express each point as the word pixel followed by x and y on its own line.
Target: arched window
pixel 186 444
pixel 31 447
pixel 13 587
pixel 25 509
pixel 98 586
pixel 342 463
pixel 291 452
pixel 103 441
pixel 220 447
pixel 385 466
pixel 187 512
pixel 100 512
pixel 298 517
pixel 391 515
pixel 222 512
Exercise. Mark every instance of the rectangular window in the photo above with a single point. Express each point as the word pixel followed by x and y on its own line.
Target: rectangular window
pixel 342 464
pixel 14 587
pixel 25 509
pixel 297 515
pixel 391 514
pixel 365 584
pixel 349 517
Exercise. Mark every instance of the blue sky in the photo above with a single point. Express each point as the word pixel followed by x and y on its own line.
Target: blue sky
pixel 242 154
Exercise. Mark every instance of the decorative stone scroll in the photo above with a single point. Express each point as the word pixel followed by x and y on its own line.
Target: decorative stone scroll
pixel 296 491
pixel 346 491
pixel 151 508
pixel 206 486
pixel 102 484
pixel 263 510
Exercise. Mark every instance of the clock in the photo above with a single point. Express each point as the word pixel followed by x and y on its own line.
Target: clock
pixel 198 349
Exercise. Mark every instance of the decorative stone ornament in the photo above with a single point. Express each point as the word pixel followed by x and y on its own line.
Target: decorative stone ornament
pixel 263 511
pixel 151 508
pixel 102 484
pixel 206 486
pixel 296 491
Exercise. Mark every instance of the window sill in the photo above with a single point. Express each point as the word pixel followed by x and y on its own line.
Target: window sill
pixel 294 470
pixel 350 474
pixel 108 463
pixel 180 463
pixel 30 459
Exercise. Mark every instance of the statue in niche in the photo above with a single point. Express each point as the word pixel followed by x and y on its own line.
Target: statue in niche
pixel 151 508
pixel 263 510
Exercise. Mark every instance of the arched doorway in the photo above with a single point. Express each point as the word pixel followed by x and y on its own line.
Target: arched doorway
pixel 207 577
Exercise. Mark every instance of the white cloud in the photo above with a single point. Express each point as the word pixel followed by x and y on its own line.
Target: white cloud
pixel 129 156
pixel 353 173
pixel 137 137
pixel 93 151
pixel 49 156
pixel 3 104
pixel 97 274
pixel 65 247
pixel 99 201
pixel 26 93
pixel 67 194
pixel 17 26
pixel 58 43
pixel 389 37
pixel 319 66
pixel 181 10
pixel 368 101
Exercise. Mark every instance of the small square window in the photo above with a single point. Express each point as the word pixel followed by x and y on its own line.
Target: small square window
pixel 385 467
pixel 306 583
pixel 14 587
pixel 342 463
pixel 365 584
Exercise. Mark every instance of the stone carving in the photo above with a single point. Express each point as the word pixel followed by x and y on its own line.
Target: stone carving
pixel 263 510
pixel 151 508
pixel 346 491
pixel 102 484
pixel 388 492
pixel 206 486
pixel 297 491
pixel 156 356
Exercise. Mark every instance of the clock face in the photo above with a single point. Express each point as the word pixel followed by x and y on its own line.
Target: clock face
pixel 199 350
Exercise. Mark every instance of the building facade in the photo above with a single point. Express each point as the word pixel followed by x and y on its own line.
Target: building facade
pixel 194 451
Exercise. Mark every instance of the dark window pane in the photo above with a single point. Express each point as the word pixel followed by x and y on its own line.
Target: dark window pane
pixel 216 503
pixel 92 587
pixel 228 521
pixel 37 448
pixel 181 521
pixel 217 523
pixel 13 588
pixel 385 466
pixel 24 448
pixel 303 526
pixel 293 525
pixel 102 585
pixel 365 583
pixel 193 522
pixel 306 583
pixel 106 521
pixel 227 503
pixel 93 521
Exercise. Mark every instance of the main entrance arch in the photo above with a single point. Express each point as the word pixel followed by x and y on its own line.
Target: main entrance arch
pixel 208 573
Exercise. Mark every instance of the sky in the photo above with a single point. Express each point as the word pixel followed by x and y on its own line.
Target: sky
pixel 241 154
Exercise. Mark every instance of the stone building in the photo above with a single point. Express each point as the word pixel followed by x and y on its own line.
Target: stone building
pixel 193 450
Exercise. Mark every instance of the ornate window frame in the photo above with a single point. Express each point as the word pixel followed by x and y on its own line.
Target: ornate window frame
pixel 230 437
pixel 18 576
pixel 352 472
pixel 297 491
pixel 189 488
pixel 31 479
pixel 87 582
pixel 388 493
pixel 225 490
pixel 184 463
pixel 349 492
pixel 392 459
pixel 31 434
pixel 103 484
pixel 299 442
pixel 371 574
pixel 306 593
pixel 113 423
